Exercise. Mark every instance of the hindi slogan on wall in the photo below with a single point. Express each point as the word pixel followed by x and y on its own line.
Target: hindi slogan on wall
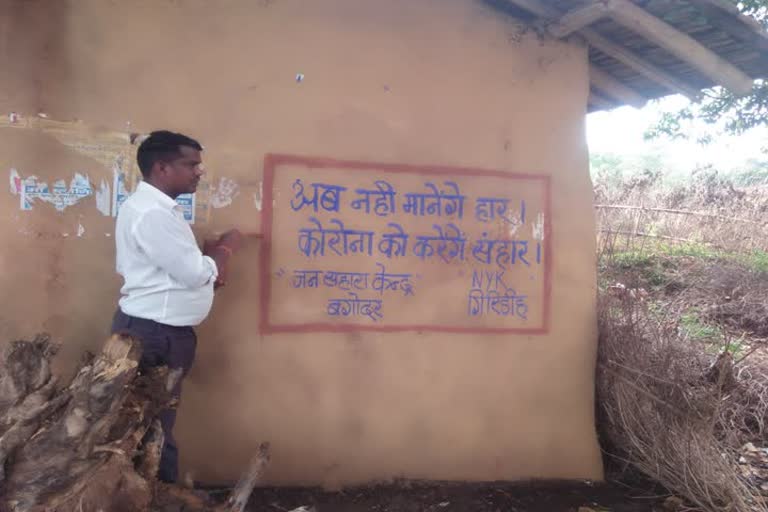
pixel 358 246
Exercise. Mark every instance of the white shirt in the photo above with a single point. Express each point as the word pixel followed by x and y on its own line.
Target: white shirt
pixel 167 278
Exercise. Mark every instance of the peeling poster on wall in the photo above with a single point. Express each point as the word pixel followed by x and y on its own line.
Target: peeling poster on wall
pixel 60 194
pixel 115 151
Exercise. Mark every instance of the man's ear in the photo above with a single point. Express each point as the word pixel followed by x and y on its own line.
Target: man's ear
pixel 160 168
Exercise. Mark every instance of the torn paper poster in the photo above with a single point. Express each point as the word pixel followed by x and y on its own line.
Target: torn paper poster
pixel 103 198
pixel 538 227
pixel 59 194
pixel 187 202
pixel 225 191
pixel 515 219
pixel 258 197
pixel 15 182
pixel 104 195
pixel 203 201
pixel 120 193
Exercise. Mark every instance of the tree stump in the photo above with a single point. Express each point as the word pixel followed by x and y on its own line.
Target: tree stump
pixel 95 444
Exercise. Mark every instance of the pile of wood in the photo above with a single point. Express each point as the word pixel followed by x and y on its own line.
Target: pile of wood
pixel 94 444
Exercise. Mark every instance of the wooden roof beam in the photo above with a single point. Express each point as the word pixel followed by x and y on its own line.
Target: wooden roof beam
pixel 628 58
pixel 618 52
pixel 725 15
pixel 577 19
pixel 683 46
pixel 600 102
pixel 737 15
pixel 614 88
pixel 536 7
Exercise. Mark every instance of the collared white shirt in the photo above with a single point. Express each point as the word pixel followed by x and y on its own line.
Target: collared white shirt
pixel 167 278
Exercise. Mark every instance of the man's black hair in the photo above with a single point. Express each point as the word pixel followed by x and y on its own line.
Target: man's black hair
pixel 162 146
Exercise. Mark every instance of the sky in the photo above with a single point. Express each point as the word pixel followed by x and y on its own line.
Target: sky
pixel 620 131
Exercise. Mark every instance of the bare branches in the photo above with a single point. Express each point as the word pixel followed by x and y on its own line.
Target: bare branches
pixel 671 413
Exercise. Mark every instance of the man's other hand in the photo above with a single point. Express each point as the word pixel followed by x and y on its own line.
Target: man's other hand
pixel 221 250
pixel 232 239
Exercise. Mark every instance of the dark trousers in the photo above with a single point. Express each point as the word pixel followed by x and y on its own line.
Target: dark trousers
pixel 162 345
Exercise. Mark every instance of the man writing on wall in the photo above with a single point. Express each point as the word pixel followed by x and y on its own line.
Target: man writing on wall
pixel 168 281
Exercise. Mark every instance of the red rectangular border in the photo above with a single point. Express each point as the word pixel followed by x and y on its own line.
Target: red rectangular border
pixel 272 161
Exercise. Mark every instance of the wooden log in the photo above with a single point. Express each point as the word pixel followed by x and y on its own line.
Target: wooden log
pixel 56 463
pixel 250 478
pixel 94 445
pixel 151 451
pixel 26 389
pixel 81 458
pixel 25 368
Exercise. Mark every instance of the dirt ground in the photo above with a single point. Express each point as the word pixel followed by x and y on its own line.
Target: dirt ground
pixel 450 497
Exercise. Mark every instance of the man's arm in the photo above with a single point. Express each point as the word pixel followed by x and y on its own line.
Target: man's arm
pixel 169 246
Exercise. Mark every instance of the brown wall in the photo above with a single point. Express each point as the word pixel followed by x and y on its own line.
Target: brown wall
pixel 422 82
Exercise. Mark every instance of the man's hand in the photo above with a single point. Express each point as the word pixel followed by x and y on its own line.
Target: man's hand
pixel 208 246
pixel 232 239
pixel 221 250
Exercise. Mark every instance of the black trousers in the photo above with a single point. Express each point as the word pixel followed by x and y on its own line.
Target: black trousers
pixel 162 345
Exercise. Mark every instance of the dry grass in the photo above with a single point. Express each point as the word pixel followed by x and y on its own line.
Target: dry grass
pixel 708 209
pixel 682 382
pixel 672 412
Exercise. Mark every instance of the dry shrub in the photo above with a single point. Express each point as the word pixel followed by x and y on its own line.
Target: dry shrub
pixel 708 208
pixel 740 297
pixel 673 412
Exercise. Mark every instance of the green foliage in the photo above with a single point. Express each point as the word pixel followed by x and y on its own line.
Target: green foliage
pixel 754 172
pixel 713 338
pixel 613 169
pixel 647 265
pixel 693 327
pixel 664 253
pixel 656 258
pixel 617 173
pixel 633 259
pixel 732 115
pixel 758 9
pixel 757 261
pixel 690 250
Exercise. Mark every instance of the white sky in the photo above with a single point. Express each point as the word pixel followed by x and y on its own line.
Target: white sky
pixel 620 131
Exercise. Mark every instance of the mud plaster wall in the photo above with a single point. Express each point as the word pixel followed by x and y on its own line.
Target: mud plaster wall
pixel 403 81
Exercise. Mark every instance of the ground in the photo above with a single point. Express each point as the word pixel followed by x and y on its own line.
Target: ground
pixel 449 497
